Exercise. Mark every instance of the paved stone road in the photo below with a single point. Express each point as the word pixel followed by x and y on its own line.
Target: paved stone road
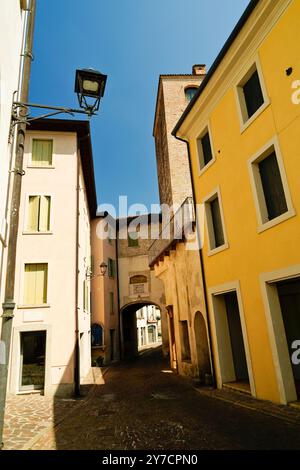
pixel 142 407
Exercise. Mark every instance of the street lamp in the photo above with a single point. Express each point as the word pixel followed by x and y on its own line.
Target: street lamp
pixel 89 86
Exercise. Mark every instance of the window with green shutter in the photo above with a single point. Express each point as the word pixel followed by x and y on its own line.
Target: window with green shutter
pixel 111 268
pixel 39 214
pixel 42 152
pixel 133 240
pixel 35 284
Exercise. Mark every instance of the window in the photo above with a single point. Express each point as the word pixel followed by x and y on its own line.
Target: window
pixel 269 185
pixel 85 296
pixel 42 151
pixel 35 284
pixel 217 222
pixel 185 341
pixel 214 222
pixel 204 149
pixel 110 235
pixel 39 214
pixel 272 186
pixel 111 303
pixel 133 240
pixel 190 92
pixel 111 268
pixel 251 93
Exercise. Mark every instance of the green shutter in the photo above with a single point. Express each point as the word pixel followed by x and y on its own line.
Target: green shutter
pixel 42 151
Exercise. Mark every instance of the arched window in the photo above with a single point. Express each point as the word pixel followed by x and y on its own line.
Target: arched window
pixel 190 92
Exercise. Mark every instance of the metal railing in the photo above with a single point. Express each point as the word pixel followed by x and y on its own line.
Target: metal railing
pixel 173 231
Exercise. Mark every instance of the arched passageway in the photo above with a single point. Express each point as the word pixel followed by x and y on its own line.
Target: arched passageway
pixel 139 331
pixel 202 346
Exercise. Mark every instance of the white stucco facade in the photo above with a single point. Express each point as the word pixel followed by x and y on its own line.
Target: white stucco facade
pixel 66 250
pixel 12 21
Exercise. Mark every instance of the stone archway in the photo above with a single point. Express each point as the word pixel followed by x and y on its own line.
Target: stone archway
pixel 202 347
pixel 128 326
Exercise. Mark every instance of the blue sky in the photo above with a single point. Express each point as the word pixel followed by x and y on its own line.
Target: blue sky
pixel 132 41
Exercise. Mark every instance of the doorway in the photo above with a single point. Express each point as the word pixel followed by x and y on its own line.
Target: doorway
pixel 112 344
pixel 233 370
pixel 202 347
pixel 33 355
pixel 289 299
pixel 236 338
pixel 173 351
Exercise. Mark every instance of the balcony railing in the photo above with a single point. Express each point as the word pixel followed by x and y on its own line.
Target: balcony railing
pixel 175 230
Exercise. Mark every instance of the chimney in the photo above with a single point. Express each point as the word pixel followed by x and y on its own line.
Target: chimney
pixel 199 69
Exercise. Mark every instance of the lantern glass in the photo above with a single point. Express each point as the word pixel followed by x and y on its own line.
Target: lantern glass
pixel 90 86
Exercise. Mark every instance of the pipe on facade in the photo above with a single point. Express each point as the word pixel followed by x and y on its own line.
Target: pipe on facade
pixel 9 302
pixel 77 332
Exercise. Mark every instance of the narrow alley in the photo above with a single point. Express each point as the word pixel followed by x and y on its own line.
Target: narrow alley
pixel 141 406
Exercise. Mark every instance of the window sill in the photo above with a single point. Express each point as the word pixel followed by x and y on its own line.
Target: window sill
pixel 278 220
pixel 246 124
pixel 48 167
pixel 36 233
pixel 30 307
pixel 31 391
pixel 208 165
pixel 218 250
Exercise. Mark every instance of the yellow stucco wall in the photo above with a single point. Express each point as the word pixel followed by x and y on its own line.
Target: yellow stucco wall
pixel 251 253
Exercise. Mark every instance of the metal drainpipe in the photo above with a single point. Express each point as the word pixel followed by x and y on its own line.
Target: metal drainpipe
pixel 9 302
pixel 202 268
pixel 77 332
pixel 118 292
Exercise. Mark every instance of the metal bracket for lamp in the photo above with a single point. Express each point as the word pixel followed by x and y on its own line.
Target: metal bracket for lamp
pixel 89 87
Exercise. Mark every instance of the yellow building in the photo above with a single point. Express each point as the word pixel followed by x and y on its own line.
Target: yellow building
pixel 243 129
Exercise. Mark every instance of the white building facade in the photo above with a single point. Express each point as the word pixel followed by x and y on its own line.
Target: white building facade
pixel 12 25
pixel 52 290
pixel 148 326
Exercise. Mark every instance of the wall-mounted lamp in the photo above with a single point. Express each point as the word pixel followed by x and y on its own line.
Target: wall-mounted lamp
pixel 89 86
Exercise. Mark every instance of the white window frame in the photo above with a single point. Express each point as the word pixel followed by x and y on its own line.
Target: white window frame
pixel 200 159
pixel 26 212
pixel 31 164
pixel 245 121
pixel 209 224
pixel 259 199
pixel 276 329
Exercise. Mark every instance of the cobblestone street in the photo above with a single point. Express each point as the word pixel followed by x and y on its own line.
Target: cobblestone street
pixel 142 405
